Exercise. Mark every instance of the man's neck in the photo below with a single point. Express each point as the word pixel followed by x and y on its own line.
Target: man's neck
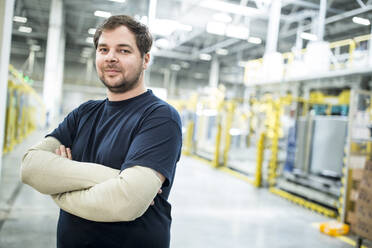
pixel 112 96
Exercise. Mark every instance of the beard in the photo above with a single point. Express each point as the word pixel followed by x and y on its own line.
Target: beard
pixel 125 85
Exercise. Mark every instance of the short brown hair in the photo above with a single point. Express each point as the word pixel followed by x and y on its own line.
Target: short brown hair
pixel 140 31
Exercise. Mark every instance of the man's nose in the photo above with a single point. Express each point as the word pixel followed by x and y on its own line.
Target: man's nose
pixel 111 57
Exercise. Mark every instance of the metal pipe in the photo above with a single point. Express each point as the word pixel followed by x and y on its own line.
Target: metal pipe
pixel 6 15
pixel 214 72
pixel 321 19
pixel 273 30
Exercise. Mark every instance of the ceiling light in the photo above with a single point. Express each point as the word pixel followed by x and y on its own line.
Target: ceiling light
pixel 216 28
pixel 162 43
pixel 92 31
pixel 254 40
pixel 222 51
pixel 231 8
pixel 103 14
pixel 238 32
pixel 118 1
pixel 89 40
pixel 361 21
pixel 175 67
pixel 222 17
pixel 20 19
pixel 205 56
pixel 25 29
pixel 165 27
pixel 308 36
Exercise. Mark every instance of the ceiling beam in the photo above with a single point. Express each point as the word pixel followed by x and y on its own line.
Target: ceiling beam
pixel 293 32
pixel 173 55
pixel 303 3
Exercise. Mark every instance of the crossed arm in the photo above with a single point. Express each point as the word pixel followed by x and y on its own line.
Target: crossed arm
pixel 91 191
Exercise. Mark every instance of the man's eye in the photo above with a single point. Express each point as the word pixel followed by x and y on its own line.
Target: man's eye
pixel 102 50
pixel 124 51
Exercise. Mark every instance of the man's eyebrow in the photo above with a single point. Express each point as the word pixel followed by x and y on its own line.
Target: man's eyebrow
pixel 119 45
pixel 125 45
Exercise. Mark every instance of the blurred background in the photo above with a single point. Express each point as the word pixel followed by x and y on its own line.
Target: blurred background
pixel 275 101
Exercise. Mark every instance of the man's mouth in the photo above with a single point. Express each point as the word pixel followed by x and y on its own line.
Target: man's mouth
pixel 111 71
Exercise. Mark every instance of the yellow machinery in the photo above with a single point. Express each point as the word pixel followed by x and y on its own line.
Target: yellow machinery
pixel 24 111
pixel 208 126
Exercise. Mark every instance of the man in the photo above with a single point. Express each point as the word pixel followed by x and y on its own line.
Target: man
pixel 107 161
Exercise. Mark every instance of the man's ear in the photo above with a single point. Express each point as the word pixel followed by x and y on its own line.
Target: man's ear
pixel 146 60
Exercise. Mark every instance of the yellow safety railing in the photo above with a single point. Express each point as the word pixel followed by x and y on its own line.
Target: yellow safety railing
pixel 253 68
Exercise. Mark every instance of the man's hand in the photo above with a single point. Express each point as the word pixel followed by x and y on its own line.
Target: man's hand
pixel 66 153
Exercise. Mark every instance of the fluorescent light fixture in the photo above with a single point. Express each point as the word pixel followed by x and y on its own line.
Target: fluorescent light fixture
pixel 222 51
pixel 162 43
pixel 118 1
pixel 175 67
pixel 216 28
pixel 25 29
pixel 92 31
pixel 20 19
pixel 89 40
pixel 205 56
pixel 222 17
pixel 103 14
pixel 165 27
pixel 254 40
pixel 231 8
pixel 239 32
pixel 308 36
pixel 361 21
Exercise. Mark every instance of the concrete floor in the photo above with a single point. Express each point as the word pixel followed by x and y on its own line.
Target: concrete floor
pixel 210 209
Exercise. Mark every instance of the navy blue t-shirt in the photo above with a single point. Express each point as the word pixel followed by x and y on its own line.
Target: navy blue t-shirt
pixel 143 130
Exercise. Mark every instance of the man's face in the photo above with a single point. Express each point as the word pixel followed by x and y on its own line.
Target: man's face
pixel 118 61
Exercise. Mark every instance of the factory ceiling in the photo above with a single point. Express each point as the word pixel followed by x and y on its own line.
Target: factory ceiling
pixel 183 29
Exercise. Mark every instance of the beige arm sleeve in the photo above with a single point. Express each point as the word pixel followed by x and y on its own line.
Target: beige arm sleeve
pixel 124 198
pixel 50 173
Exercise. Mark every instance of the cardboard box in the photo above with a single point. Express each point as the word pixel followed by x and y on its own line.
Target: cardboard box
pixel 363 207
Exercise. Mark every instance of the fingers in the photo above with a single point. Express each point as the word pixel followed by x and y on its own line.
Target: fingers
pixel 58 152
pixel 159 192
pixel 68 150
pixel 64 152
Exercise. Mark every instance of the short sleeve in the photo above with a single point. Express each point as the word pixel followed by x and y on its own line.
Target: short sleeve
pixel 66 130
pixel 157 145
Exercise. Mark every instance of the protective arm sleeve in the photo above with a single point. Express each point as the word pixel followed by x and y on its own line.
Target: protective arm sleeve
pixel 50 173
pixel 123 198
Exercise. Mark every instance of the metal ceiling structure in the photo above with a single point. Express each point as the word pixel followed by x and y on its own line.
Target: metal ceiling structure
pixel 184 46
